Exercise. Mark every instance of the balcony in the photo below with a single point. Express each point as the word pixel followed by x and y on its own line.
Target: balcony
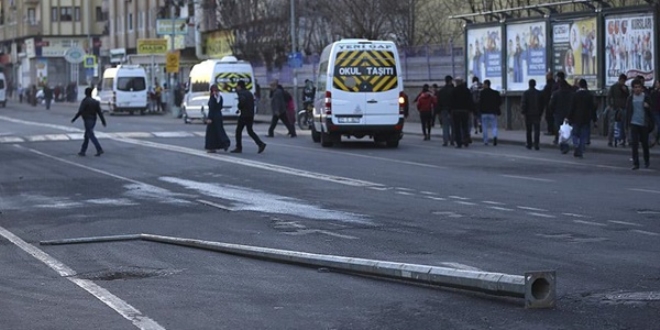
pixel 32 28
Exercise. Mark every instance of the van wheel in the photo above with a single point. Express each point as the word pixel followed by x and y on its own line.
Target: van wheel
pixel 392 143
pixel 326 140
pixel 316 136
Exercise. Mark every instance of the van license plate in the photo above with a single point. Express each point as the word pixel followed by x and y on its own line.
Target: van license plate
pixel 348 120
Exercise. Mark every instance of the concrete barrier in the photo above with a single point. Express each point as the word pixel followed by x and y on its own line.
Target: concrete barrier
pixel 537 288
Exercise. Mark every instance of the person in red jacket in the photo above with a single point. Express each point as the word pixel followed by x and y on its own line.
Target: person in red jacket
pixel 425 103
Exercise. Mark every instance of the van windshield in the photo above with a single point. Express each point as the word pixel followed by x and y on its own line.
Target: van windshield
pixel 200 86
pixel 365 71
pixel 2 84
pixel 131 84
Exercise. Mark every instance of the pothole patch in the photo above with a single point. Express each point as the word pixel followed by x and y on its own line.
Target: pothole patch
pixel 126 273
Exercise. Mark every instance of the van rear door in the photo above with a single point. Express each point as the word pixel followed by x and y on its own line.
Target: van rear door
pixel 131 92
pixel 381 87
pixel 348 100
pixel 227 81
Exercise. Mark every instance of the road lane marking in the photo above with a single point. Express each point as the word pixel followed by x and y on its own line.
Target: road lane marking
pixel 435 198
pixel 645 190
pixel 493 203
pixel 575 215
pixel 625 223
pixel 590 223
pixel 405 193
pixel 11 139
pixel 465 203
pixel 172 134
pixel 428 193
pixel 319 231
pixel 404 189
pixel 127 311
pixel 541 215
pixel 650 233
pixel 526 178
pixel 527 208
pixel 216 205
pixel 131 135
pixel 459 198
pixel 500 208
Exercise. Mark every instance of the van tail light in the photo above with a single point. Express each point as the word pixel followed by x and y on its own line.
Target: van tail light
pixel 402 102
pixel 328 103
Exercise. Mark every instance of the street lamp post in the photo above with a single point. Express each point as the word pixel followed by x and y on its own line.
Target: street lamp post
pixel 172 81
pixel 293 50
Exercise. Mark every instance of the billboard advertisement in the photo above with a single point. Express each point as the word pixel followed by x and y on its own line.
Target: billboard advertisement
pixel 574 50
pixel 629 47
pixel 526 55
pixel 484 55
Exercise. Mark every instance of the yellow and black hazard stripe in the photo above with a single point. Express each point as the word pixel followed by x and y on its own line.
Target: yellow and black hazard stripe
pixel 365 71
pixel 231 79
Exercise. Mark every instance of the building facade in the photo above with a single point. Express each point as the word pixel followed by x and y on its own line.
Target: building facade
pixel 35 35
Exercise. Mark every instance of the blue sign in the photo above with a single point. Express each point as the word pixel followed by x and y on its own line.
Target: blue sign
pixel 295 60
pixel 89 72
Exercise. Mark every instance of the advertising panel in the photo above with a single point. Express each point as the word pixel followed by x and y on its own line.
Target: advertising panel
pixel 574 50
pixel 629 47
pixel 484 55
pixel 526 55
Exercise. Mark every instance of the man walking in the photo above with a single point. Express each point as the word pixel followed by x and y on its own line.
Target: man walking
pixel 616 100
pixel 547 93
pixel 246 118
pixel 425 104
pixel 278 106
pixel 461 105
pixel 582 112
pixel 560 102
pixel 88 110
pixel 638 115
pixel 490 101
pixel 444 106
pixel 48 96
pixel 532 109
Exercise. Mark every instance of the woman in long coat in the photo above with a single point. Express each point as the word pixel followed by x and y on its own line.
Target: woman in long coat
pixel 216 137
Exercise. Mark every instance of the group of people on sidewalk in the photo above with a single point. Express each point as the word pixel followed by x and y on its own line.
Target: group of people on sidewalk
pixel 563 104
pixel 459 110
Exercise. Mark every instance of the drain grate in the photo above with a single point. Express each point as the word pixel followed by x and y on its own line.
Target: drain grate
pixel 126 273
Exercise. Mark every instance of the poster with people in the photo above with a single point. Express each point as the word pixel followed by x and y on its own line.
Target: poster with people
pixel 484 55
pixel 629 47
pixel 574 50
pixel 526 55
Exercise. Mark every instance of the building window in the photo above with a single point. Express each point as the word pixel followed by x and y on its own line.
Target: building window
pixel 66 14
pixel 54 14
pixel 99 14
pixel 130 21
pixel 32 16
pixel 76 14
pixel 141 21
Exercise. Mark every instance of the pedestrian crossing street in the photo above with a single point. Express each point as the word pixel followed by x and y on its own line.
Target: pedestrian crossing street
pixel 79 136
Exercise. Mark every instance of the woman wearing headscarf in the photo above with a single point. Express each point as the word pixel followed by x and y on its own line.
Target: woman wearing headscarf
pixel 216 137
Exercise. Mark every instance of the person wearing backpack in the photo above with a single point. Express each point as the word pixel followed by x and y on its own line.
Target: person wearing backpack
pixel 425 103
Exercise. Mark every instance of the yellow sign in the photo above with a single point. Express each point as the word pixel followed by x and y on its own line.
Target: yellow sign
pixel 152 46
pixel 172 62
pixel 217 44
pixel 365 71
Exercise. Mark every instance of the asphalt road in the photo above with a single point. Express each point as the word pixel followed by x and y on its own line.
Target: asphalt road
pixel 500 209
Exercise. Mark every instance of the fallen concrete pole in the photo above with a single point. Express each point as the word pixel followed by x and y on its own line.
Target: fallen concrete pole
pixel 537 288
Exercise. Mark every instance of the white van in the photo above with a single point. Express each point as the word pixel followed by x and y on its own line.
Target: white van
pixel 359 92
pixel 124 89
pixel 225 73
pixel 3 90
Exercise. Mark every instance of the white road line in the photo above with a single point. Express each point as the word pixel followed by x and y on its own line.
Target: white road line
pixel 465 203
pixel 590 223
pixel 405 193
pixel 172 134
pixel 11 139
pixel 36 138
pixel 123 308
pixel 460 198
pixel 428 193
pixel 493 203
pixel 136 135
pixel 76 136
pixel 318 231
pixel 216 205
pixel 56 137
pixel 200 133
pixel 625 223
pixel 650 233
pixel 500 208
pixel 527 208
pixel 31 123
pixel 645 190
pixel 404 189
pixel 526 178
pixel 541 215
pixel 436 198
pixel 379 188
pixel 575 215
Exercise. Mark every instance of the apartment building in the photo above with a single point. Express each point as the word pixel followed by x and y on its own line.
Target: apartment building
pixel 35 35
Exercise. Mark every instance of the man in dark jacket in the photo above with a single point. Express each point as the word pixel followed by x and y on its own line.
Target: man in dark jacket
pixel 278 106
pixel 532 109
pixel 616 100
pixel 582 112
pixel 560 102
pixel 546 94
pixel 490 101
pixel 48 96
pixel 88 110
pixel 246 118
pixel 444 108
pixel 461 107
